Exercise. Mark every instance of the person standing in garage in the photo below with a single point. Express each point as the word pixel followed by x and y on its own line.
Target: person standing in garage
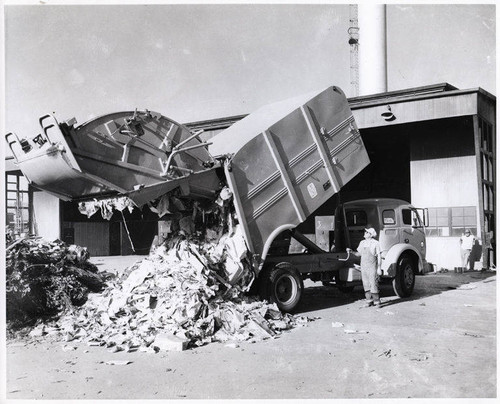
pixel 371 261
pixel 466 243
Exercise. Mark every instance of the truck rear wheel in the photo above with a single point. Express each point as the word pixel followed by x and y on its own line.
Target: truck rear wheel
pixel 282 285
pixel 404 281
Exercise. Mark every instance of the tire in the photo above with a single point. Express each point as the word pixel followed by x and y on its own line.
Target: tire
pixel 404 281
pixel 282 285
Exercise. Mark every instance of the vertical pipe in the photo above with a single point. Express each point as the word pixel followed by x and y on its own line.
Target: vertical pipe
pixel 372 48
pixel 479 175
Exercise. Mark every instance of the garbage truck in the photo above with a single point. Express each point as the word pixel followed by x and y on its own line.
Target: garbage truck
pixel 281 163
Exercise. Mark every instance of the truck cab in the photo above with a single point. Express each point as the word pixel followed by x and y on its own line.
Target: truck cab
pixel 400 230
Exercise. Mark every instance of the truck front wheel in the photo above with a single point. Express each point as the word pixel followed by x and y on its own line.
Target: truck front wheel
pixel 283 285
pixel 404 281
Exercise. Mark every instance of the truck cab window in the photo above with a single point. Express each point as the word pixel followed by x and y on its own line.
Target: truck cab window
pixel 389 216
pixel 411 218
pixel 406 216
pixel 356 218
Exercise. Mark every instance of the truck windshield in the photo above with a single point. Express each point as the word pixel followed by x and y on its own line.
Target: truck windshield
pixel 411 217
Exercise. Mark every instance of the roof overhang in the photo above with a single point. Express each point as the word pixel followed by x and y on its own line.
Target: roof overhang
pixel 436 101
pixel 400 108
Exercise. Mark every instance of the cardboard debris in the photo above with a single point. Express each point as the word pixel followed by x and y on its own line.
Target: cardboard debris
pixel 467 287
pixel 107 206
pixel 386 353
pixel 174 292
pixel 469 334
pixel 355 332
pixel 170 342
pixel 189 291
pixel 119 363
pixel 419 356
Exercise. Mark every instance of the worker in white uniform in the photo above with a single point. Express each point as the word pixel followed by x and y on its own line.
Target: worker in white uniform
pixel 371 261
pixel 466 243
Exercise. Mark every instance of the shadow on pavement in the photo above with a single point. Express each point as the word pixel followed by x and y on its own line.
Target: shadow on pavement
pixel 323 297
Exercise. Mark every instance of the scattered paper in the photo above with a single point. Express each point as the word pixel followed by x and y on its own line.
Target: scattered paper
pixel 467 287
pixel 355 331
pixel 118 363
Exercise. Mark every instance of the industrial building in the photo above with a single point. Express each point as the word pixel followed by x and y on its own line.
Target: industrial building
pixel 433 146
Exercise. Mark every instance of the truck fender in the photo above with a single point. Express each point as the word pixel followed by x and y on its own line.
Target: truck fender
pixel 390 261
pixel 276 232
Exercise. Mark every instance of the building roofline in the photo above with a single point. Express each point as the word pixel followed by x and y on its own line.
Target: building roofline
pixel 412 94
pixel 409 94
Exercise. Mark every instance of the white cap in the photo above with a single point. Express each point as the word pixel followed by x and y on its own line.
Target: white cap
pixel 372 231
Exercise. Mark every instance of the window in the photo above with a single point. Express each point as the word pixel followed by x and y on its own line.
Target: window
pixel 17 204
pixel 461 219
pixel 356 218
pixel 406 216
pixel 452 222
pixel 389 216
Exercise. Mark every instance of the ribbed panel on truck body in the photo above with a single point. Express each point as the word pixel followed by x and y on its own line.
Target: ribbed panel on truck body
pixel 289 159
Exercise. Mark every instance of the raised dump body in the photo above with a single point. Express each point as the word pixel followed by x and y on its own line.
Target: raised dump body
pixel 282 162
pixel 288 159
pixel 140 154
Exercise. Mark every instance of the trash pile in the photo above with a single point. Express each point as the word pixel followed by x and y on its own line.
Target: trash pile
pixel 190 290
pixel 45 279
pixel 179 296
pixel 174 295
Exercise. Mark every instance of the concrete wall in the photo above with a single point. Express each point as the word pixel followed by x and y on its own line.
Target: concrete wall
pixel 46 216
pixel 449 182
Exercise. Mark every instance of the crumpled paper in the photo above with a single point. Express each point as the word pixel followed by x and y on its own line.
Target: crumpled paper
pixel 107 206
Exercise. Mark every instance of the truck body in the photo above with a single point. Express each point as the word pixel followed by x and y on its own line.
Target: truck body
pixel 281 162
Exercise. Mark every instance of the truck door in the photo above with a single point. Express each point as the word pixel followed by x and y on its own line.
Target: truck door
pixel 412 229
pixel 390 235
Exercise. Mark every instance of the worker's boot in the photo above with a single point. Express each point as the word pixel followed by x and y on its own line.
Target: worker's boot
pixel 369 300
pixel 376 299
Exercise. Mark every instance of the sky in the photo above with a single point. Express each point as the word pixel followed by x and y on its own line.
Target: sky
pixel 196 62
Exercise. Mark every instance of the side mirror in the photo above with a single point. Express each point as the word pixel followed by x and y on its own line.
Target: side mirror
pixel 426 217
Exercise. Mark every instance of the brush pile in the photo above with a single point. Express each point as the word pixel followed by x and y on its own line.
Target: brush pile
pixel 45 279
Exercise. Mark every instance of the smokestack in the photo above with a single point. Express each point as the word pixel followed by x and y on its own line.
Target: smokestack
pixel 372 48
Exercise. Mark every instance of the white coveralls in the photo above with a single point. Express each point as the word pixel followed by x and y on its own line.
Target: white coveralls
pixel 369 250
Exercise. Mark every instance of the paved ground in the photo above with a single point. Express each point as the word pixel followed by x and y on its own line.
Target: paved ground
pixel 440 343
